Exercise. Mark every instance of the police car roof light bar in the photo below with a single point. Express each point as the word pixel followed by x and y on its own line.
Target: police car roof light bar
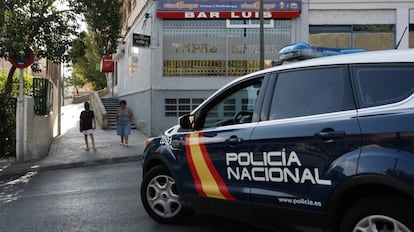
pixel 303 51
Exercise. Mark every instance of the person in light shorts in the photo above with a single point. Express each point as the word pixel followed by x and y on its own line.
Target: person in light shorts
pixel 124 116
pixel 87 125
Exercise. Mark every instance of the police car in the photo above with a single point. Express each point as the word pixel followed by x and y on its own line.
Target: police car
pixel 325 144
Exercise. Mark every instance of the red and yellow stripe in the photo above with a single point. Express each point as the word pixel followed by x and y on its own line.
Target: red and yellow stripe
pixel 207 180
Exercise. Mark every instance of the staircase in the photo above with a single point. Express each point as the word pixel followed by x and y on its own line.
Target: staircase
pixel 111 106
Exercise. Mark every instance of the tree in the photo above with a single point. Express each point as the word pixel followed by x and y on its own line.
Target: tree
pixel 39 24
pixel 77 55
pixel 85 56
pixel 2 10
pixel 104 18
pixel 104 23
pixel 50 31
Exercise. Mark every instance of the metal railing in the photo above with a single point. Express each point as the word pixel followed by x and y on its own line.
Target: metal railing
pixel 42 96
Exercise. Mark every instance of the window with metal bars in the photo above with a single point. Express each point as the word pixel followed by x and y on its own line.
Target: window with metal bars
pixel 42 96
pixel 199 48
pixel 370 37
pixel 175 107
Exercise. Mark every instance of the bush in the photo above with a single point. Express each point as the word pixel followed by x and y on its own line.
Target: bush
pixel 27 87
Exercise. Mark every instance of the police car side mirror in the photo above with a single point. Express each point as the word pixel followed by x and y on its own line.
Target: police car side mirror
pixel 186 121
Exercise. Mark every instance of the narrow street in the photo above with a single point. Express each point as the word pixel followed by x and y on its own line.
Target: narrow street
pixel 95 198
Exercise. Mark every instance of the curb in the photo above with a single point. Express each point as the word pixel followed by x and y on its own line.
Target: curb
pixel 13 171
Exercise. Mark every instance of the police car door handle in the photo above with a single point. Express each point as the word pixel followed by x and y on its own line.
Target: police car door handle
pixel 327 135
pixel 233 140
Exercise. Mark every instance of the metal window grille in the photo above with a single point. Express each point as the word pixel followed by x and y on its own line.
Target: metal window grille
pixel 42 96
pixel 175 107
pixel 249 23
pixel 200 48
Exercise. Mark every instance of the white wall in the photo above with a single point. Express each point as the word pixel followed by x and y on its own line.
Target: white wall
pixel 337 16
pixel 358 4
pixel 38 132
pixel 363 12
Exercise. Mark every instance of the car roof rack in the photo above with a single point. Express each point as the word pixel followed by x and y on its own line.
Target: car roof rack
pixel 303 51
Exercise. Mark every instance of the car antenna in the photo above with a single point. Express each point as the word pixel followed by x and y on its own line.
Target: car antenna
pixel 402 36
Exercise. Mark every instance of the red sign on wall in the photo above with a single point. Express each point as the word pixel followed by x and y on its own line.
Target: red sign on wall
pixel 107 64
pixel 228 9
pixel 226 14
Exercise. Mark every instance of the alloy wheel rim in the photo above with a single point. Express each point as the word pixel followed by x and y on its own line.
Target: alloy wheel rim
pixel 380 223
pixel 163 197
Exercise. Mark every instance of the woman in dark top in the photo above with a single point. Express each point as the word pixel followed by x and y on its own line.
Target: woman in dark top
pixel 87 125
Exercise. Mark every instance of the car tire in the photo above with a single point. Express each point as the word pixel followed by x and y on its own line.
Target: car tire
pixel 379 213
pixel 160 197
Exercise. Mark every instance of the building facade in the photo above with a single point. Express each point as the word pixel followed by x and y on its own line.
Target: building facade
pixel 175 53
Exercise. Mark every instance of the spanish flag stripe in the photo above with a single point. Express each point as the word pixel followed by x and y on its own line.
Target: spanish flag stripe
pixel 219 181
pixel 206 177
pixel 194 173
pixel 208 183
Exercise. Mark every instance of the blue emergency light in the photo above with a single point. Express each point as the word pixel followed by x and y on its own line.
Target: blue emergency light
pixel 303 51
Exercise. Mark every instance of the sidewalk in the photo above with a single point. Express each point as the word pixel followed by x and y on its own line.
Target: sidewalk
pixel 68 149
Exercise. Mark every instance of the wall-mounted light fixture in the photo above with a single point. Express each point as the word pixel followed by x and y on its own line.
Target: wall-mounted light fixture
pixel 146 17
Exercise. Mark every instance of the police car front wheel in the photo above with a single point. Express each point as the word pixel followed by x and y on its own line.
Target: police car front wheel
pixel 160 197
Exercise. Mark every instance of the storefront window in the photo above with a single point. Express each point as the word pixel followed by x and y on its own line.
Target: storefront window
pixel 218 48
pixel 370 37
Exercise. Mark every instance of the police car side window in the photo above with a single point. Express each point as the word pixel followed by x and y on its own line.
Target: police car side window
pixel 311 91
pixel 236 108
pixel 385 84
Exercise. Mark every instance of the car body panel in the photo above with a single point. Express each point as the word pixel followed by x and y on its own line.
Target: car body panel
pixel 294 173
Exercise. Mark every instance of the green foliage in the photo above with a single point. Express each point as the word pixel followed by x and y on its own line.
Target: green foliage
pixel 104 23
pixel 104 18
pixel 2 10
pixel 39 24
pixel 85 66
pixel 77 52
pixel 27 85
pixel 51 32
pixel 7 127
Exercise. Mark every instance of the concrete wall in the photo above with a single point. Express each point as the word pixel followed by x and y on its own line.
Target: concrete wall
pixel 38 132
pixel 80 99
pixel 142 113
pixel 99 109
pixel 363 12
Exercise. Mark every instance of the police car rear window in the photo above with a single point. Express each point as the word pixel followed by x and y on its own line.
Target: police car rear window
pixel 380 85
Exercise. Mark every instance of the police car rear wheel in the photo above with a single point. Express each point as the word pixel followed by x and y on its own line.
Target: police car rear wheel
pixel 378 214
pixel 160 197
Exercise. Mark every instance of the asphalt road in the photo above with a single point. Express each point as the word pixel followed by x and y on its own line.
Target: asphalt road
pixel 96 198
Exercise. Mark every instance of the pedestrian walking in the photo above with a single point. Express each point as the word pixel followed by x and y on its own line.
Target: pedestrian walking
pixel 87 125
pixel 124 117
